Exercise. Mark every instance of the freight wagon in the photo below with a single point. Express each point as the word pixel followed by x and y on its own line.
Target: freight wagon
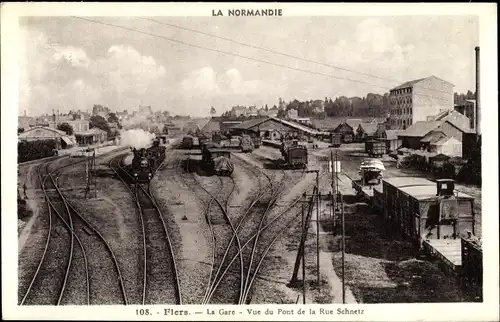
pixel 336 140
pixel 347 138
pixel 257 142
pixel 187 142
pixel 375 148
pixel 217 161
pixel 294 155
pixel 422 210
pixel 246 143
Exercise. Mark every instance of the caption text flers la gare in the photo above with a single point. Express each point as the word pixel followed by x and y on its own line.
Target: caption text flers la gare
pixel 249 12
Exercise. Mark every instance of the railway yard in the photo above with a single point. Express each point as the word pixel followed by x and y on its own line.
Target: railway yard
pixel 190 238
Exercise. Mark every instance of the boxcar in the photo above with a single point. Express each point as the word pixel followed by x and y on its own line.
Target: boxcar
pixel 420 209
pixel 375 148
pixel 336 140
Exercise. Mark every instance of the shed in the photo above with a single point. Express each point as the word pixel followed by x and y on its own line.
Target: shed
pixel 365 130
pixel 275 128
pixel 39 133
pixel 447 146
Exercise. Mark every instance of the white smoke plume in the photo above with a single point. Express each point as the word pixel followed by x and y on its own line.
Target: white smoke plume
pixel 136 138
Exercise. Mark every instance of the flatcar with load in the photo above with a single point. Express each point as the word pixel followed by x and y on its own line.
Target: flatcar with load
pixel 217 161
pixel 246 143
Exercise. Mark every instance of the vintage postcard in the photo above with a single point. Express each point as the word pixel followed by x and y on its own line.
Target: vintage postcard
pixel 250 161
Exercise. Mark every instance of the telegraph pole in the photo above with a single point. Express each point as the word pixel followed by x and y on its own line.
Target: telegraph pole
pixel 303 261
pixel 343 250
pixel 317 221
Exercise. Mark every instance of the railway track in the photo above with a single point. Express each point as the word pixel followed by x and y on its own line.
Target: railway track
pixel 160 276
pixel 74 285
pixel 252 224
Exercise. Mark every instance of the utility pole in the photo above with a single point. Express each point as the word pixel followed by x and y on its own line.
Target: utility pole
pixel 303 262
pixel 317 221
pixel 343 249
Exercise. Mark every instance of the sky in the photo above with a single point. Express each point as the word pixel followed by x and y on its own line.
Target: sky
pixel 69 64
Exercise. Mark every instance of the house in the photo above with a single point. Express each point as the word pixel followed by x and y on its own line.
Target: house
pixel 39 133
pixel 365 130
pixel 431 138
pixel 414 100
pixel 415 133
pixel 392 139
pixel 79 125
pixel 448 146
pixel 348 129
pixel 411 136
pixel 100 110
pixel 273 112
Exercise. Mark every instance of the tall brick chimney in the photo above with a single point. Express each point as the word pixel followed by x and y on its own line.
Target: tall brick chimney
pixel 478 95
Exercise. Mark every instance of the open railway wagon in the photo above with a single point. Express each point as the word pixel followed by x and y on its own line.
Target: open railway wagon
pixel 187 142
pixel 431 215
pixel 294 155
pixel 233 143
pixel 246 144
pixel 375 148
pixel 336 140
pixel 217 161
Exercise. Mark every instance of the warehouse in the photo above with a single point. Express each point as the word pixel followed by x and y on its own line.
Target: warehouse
pixel 274 128
pixel 39 133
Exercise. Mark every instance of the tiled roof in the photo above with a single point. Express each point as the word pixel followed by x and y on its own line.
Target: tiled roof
pixel 353 123
pixel 433 136
pixel 250 123
pixel 392 134
pixel 420 128
pixel 408 84
pixel 369 128
pixel 211 126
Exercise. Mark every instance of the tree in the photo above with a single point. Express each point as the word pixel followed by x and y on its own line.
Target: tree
pixel 100 123
pixel 66 128
pixel 114 119
pixel 20 130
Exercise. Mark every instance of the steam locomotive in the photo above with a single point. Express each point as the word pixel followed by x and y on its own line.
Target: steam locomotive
pixel 146 162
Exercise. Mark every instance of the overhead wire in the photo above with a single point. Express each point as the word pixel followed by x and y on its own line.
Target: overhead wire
pixel 280 53
pixel 242 56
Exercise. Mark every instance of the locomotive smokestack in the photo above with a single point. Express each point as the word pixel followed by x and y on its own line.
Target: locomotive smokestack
pixel 478 95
